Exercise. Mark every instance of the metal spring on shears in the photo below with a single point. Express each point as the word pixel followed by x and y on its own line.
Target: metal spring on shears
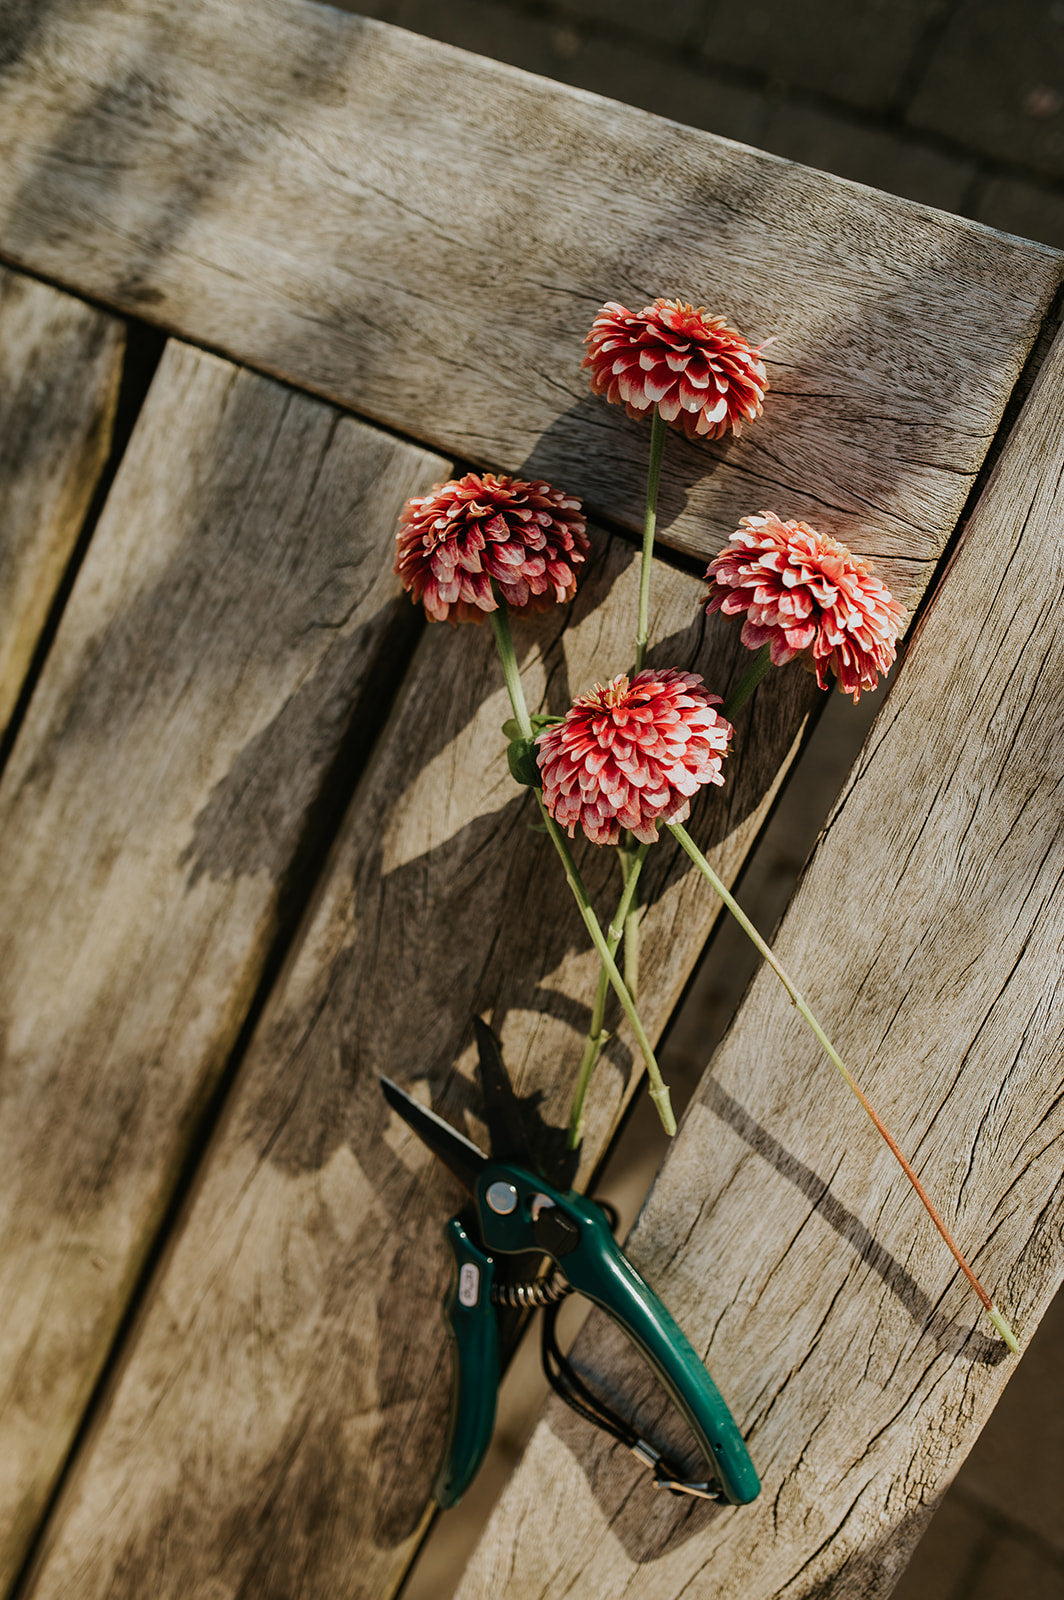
pixel 545 1291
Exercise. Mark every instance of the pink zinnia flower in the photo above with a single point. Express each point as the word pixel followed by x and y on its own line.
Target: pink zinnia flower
pixel 806 595
pixel 632 753
pixel 702 376
pixel 454 540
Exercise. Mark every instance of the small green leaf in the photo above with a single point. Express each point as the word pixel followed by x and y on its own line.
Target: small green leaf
pixel 521 759
pixel 512 728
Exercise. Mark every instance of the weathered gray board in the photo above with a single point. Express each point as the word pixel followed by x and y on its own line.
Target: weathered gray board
pixel 60 367
pixel 234 619
pixel 426 236
pixel 249 177
pixel 926 934
pixel 276 1425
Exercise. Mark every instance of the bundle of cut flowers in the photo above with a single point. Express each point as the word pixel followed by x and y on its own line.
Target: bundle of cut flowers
pixel 630 753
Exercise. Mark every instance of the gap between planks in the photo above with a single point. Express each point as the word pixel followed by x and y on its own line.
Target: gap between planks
pixel 153 828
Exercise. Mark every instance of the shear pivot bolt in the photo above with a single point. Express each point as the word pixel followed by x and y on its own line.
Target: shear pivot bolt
pixel 502 1198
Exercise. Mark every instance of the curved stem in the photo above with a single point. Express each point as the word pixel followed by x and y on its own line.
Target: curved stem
pixel 659 1092
pixel 500 622
pixel 597 1037
pixel 631 950
pixel 658 1089
pixel 798 1001
pixel 650 518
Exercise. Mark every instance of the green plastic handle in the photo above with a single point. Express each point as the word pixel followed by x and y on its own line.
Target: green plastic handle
pixel 474 1333
pixel 575 1233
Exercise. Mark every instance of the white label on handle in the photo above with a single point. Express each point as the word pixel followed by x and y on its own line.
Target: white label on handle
pixel 468 1284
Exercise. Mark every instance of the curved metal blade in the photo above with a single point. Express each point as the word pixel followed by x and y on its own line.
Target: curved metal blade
pixel 516 1129
pixel 459 1155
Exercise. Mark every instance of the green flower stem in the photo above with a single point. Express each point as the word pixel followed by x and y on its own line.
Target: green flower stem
pixel 500 622
pixel 797 1000
pixel 597 1036
pixel 631 948
pixel 748 682
pixel 659 1092
pixel 657 445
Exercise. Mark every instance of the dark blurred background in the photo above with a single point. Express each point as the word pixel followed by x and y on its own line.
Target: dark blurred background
pixel 952 103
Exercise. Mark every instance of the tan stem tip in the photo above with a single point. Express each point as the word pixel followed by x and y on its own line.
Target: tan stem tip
pixel 1004 1329
pixel 661 1099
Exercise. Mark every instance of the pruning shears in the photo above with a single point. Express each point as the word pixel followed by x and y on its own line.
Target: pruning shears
pixel 516 1210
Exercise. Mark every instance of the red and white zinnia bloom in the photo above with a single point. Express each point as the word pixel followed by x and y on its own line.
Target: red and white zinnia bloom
pixel 632 754
pixel 804 594
pixel 701 375
pixel 453 541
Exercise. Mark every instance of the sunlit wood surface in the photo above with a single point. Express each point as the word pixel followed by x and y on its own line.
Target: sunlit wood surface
pixel 261 844
pixel 927 933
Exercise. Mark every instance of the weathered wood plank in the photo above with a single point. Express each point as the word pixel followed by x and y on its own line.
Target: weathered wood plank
pixel 60 367
pixel 927 933
pixel 276 1426
pixel 229 636
pixel 425 236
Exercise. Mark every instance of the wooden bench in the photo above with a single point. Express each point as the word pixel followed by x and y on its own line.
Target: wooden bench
pixel 260 842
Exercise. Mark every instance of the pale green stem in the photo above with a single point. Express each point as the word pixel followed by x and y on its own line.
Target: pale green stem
pixel 500 622
pixel 631 949
pixel 658 1090
pixel 658 430
pixel 597 1036
pixel 748 682
pixel 798 1001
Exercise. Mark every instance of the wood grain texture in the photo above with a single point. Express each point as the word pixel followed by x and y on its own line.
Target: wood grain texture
pixel 276 1427
pixel 926 934
pixel 60 367
pixel 233 620
pixel 426 236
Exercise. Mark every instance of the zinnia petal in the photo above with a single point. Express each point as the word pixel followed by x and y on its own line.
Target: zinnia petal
pixel 701 375
pixel 527 535
pixel 805 594
pixel 638 750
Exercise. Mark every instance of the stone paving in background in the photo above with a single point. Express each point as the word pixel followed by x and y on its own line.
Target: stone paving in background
pixel 953 103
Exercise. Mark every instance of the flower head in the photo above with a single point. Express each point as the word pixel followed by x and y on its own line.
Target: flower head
pixel 804 594
pixel 631 753
pixel 702 376
pixel 460 536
